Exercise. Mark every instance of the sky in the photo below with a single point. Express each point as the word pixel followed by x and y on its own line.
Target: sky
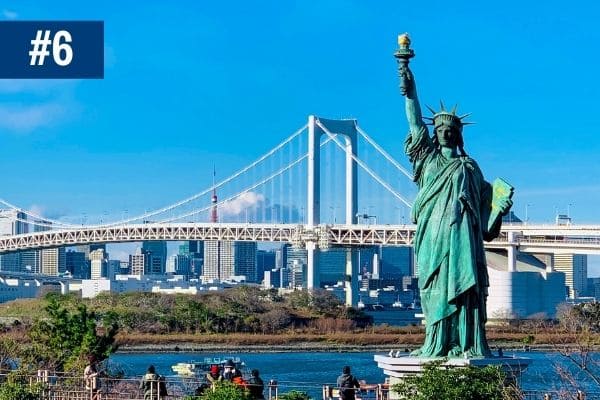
pixel 193 84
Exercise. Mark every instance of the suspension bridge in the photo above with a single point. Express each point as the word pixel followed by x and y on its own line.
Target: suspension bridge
pixel 285 195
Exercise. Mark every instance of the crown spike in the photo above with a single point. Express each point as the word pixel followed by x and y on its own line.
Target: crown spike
pixel 431 110
pixel 469 123
pixel 465 115
pixel 442 107
pixel 454 109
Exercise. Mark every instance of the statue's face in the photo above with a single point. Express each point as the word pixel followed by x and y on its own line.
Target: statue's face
pixel 447 135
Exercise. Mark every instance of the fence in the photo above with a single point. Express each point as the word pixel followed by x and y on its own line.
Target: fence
pixel 68 387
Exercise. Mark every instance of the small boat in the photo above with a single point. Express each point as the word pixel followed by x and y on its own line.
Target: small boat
pixel 398 304
pixel 199 368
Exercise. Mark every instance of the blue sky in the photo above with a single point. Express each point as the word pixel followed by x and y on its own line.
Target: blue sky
pixel 192 84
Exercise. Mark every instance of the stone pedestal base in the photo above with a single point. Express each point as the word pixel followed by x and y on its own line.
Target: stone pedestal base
pixel 397 367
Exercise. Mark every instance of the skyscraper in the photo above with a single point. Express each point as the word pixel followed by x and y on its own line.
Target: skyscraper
pixel 137 262
pixel 12 223
pixel 574 266
pixel 99 264
pixel 156 256
pixel 76 264
pixel 222 259
pixel 244 260
pixel 53 261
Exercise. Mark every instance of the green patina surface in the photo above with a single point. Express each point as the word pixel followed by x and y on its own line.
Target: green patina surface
pixel 455 211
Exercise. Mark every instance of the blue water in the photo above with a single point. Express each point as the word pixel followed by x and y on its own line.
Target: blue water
pixel 309 371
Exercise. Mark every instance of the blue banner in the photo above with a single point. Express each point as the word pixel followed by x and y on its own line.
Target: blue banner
pixel 51 49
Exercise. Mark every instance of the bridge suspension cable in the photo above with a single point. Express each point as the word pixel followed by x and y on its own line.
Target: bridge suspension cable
pixel 210 189
pixel 246 190
pixel 384 153
pixel 37 220
pixel 365 167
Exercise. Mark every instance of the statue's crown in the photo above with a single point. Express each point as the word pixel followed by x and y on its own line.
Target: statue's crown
pixel 444 117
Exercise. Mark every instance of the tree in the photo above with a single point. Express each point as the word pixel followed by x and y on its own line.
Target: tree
pixel 439 382
pixel 66 338
pixel 580 324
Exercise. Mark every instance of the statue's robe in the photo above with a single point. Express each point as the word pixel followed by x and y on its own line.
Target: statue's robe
pixel 451 211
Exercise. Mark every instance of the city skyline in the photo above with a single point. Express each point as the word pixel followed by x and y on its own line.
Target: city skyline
pixel 220 85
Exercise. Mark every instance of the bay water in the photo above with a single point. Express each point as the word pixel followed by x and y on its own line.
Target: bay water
pixel 309 371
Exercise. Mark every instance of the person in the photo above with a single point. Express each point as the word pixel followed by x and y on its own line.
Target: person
pixel 228 370
pixel 150 384
pixel 238 379
pixel 453 213
pixel 213 376
pixel 347 384
pixel 90 377
pixel 256 386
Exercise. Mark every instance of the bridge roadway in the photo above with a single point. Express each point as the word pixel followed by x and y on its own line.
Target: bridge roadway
pixel 581 239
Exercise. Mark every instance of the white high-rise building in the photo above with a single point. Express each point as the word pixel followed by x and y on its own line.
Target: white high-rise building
pixel 223 259
pixel 137 262
pixel 53 261
pixel 574 266
pixel 99 264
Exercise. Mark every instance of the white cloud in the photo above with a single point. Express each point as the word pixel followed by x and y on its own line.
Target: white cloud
pixel 24 119
pixel 241 203
pixel 9 14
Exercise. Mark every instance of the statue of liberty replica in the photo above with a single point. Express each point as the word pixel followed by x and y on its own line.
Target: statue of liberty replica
pixel 455 211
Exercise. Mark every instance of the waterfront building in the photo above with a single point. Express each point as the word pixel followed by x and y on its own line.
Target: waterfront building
pixel 218 260
pixel 332 266
pixel 265 261
pixel 182 265
pixel 397 262
pixel 31 261
pixel 137 262
pixel 156 256
pixel 12 289
pixel 531 290
pixel 574 266
pixel 281 256
pixel 297 260
pixel 98 264
pixel 272 278
pixel 224 259
pixel 148 283
pixel 77 264
pixel 195 251
pixel 245 260
pixel 12 222
pixel 53 261
pixel 593 289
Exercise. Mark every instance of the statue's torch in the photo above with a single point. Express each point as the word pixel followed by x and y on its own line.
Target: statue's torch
pixel 403 55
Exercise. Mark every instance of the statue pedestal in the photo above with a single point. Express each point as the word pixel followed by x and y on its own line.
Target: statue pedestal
pixel 397 367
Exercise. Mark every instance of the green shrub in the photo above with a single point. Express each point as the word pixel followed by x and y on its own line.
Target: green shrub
pixel 15 390
pixel 295 395
pixel 439 382
pixel 225 391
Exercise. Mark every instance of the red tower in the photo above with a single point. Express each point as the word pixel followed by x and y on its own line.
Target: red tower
pixel 214 217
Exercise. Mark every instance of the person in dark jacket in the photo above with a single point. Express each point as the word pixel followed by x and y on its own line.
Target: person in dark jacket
pixel 150 384
pixel 256 385
pixel 347 384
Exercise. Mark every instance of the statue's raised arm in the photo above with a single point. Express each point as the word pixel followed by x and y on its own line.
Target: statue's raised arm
pixel 418 143
pixel 413 108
